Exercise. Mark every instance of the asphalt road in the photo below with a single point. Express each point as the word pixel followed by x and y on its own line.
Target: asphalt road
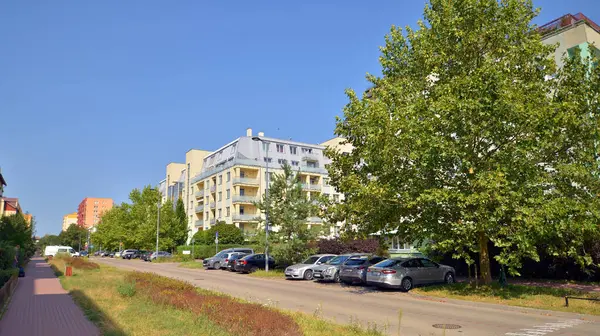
pixel 366 305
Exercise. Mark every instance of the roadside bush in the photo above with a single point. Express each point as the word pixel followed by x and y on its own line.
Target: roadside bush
pixel 6 274
pixel 238 318
pixel 78 263
pixel 291 253
pixel 7 256
pixel 126 289
pixel 339 246
pixel 228 234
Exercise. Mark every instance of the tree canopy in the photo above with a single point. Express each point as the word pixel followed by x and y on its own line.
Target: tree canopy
pixel 473 137
pixel 74 236
pixel 228 234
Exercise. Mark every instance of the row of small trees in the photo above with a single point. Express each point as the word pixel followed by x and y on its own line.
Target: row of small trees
pixel 133 225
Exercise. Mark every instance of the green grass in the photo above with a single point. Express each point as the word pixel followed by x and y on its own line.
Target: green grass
pixel 518 295
pixel 271 274
pixel 101 294
pixel 191 264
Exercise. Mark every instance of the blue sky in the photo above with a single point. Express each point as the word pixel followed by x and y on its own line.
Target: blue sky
pixel 96 97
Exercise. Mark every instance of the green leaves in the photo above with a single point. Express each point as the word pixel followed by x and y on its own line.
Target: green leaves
pixel 464 141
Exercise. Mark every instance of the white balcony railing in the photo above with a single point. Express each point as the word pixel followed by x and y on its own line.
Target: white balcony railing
pixel 244 199
pixel 245 180
pixel 245 218
pixel 199 208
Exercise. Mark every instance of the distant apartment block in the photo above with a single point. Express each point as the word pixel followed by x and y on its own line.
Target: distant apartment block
pixel 571 31
pixel 90 211
pixel 234 177
pixel 69 220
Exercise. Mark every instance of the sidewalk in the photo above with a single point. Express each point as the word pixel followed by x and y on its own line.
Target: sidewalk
pixel 41 307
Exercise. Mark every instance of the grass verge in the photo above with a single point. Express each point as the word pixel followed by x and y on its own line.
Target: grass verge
pixel 272 274
pixel 518 295
pixel 191 264
pixel 122 302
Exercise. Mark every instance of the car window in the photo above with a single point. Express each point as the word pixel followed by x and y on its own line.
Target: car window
pixel 243 251
pixel 428 263
pixel 337 260
pixel 325 259
pixel 62 250
pixel 259 257
pixel 375 260
pixel 71 251
pixel 221 255
pixel 388 263
pixel 413 263
pixel 311 260
pixel 356 261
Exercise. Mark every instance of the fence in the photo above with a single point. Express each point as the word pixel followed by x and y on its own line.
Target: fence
pixel 7 290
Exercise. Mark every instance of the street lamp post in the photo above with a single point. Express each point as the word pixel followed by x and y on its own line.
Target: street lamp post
pixel 267 199
pixel 157 221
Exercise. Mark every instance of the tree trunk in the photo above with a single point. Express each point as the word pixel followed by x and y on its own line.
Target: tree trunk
pixel 484 259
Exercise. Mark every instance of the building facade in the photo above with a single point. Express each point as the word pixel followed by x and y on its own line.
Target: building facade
pixel 69 220
pixel 234 177
pixel 91 209
pixel 569 32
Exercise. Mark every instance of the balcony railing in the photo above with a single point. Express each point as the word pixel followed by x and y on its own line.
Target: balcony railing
pixel 199 222
pixel 310 186
pixel 245 180
pixel 245 218
pixel 307 169
pixel 311 156
pixel 244 199
pixel 200 193
pixel 213 205
pixel 213 221
pixel 199 208
pixel 213 170
pixel 565 21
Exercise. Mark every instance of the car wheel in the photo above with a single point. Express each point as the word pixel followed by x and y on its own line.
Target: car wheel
pixel 308 275
pixel 406 285
pixel 449 278
pixel 217 265
pixel 336 277
pixel 253 269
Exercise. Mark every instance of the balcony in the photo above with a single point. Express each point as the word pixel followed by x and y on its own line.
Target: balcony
pixel 213 221
pixel 199 194
pixel 245 218
pixel 311 187
pixel 213 189
pixel 245 199
pixel 315 220
pixel 246 181
pixel 199 222
pixel 213 205
pixel 311 156
pixel 200 208
pixel 316 170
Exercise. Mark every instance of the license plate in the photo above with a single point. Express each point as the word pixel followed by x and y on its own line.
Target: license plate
pixel 348 270
pixel 317 275
pixel 375 273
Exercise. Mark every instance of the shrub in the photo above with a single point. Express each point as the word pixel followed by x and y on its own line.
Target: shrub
pixel 126 289
pixel 236 317
pixel 291 253
pixel 6 274
pixel 78 263
pixel 7 256
pixel 228 234
pixel 339 246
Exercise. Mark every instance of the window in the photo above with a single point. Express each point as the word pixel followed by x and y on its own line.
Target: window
pixel 279 148
pixel 428 263
pixel 293 150
pixel 241 209
pixel 267 159
pixel 228 193
pixel 413 263
pixel 206 216
pixel 307 150
pixel 227 212
pixel 233 148
pixel 311 164
pixel 269 177
pixel 220 196
pixel 219 213
pixel 295 163
pixel 220 179
pixel 242 174
pixel 242 191
pixel 336 197
pixel 228 176
pixel 281 161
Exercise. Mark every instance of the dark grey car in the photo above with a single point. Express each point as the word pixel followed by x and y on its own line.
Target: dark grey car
pixel 220 259
pixel 354 270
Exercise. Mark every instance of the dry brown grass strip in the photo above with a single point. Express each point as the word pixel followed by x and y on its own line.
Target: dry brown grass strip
pixel 236 317
pixel 80 263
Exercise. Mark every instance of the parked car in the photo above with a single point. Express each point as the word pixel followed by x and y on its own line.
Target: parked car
pixel 112 254
pixel 127 254
pixel 252 263
pixel 218 260
pixel 405 273
pixel 304 270
pixel 98 253
pixel 330 271
pixel 138 254
pixel 161 254
pixel 118 254
pixel 53 250
pixel 84 254
pixel 145 256
pixel 230 266
pixel 354 270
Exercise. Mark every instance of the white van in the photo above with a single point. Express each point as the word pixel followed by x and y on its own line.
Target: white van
pixel 53 250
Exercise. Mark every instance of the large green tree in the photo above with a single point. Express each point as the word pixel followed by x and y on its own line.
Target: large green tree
pixel 466 141
pixel 73 236
pixel 16 231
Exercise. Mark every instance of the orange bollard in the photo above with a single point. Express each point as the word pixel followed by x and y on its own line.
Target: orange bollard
pixel 69 271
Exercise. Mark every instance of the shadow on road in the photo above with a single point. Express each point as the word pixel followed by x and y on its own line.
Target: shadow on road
pixel 96 315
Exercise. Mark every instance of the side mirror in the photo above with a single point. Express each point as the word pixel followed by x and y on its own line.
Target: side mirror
pixel 319 263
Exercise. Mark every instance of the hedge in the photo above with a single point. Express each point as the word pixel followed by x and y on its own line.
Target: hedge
pixel 207 251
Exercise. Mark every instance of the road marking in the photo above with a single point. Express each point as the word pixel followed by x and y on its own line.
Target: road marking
pixel 549 327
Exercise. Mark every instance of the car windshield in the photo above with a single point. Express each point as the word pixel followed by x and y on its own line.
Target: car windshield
pixel 337 260
pixel 356 261
pixel 389 263
pixel 311 260
pixel 221 255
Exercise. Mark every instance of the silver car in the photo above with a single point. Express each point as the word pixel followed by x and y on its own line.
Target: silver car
pixel 405 273
pixel 304 270
pixel 330 271
pixel 354 270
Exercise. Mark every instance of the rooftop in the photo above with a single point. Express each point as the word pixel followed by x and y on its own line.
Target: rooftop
pixel 565 21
